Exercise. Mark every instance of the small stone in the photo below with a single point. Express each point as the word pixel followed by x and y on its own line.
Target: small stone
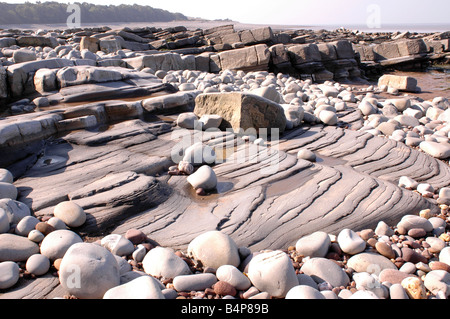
pixel 38 265
pixel 223 288
pixel 56 243
pixel 35 236
pixel 135 236
pixel 438 281
pixel 204 178
pixel 57 223
pixel 9 274
pixel 272 272
pixel 396 291
pixel 383 229
pixel 437 265
pixel 194 282
pixel 314 245
pixel 417 232
pixel 370 262
pixel 26 225
pixel 425 213
pixel 350 242
pixel 407 182
pixel 143 287
pixel 70 213
pixel 162 262
pixel 411 255
pixel 304 292
pixel 185 167
pixel 412 221
pixel 328 117
pixel 233 276
pixel 200 192
pixel 322 269
pixel 444 255
pixel 436 244
pixel 139 253
pixel 8 190
pixel 306 155
pixel 15 210
pixel 414 287
pixel 6 176
pixel 210 121
pixel 385 250
pixel 16 248
pixel 435 149
pixel 95 267
pixel 187 120
pixel 45 228
pixel 214 249
pixel 117 244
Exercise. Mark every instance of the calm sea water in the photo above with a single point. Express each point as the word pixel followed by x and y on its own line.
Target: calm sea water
pixel 205 24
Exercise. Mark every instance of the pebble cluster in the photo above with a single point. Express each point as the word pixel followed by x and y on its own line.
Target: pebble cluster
pixel 410 260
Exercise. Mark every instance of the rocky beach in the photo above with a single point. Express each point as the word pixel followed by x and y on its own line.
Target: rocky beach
pixel 224 162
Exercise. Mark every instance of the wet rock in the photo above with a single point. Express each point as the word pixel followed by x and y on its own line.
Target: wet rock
pixel 204 178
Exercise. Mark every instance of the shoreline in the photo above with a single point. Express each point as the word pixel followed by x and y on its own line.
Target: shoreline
pixel 193 24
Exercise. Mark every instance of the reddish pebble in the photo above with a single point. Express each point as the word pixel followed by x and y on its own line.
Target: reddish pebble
pixel 417 232
pixel 438 265
pixel 412 256
pixel 224 289
pixel 135 236
pixel 200 192
pixel 385 250
pixel 44 228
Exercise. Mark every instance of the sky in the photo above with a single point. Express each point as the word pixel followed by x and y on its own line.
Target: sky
pixel 301 12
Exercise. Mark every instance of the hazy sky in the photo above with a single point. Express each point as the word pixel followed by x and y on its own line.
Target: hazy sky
pixel 301 12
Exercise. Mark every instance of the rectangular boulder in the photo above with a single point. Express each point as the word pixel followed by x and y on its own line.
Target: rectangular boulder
pixel 242 111
pixel 403 83
pixel 254 58
pixel 386 51
pixel 412 47
pixel 304 53
pixel 20 75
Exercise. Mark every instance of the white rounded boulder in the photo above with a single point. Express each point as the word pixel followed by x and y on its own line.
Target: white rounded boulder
pixel 56 243
pixel 70 213
pixel 88 271
pixel 214 249
pixel 204 177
